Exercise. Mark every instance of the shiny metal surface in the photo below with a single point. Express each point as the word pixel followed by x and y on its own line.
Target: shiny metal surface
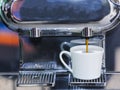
pixel 26 28
pixel 81 88
pixel 116 2
pixel 35 32
pixel 100 82
pixel 36 78
pixel 43 67
pixel 39 65
pixel 70 11
pixel 8 82
pixel 87 32
pixel 36 29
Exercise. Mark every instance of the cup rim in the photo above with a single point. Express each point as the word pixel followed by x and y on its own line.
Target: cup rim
pixel 82 41
pixel 99 49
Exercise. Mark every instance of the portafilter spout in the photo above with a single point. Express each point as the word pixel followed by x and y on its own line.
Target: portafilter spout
pixel 87 32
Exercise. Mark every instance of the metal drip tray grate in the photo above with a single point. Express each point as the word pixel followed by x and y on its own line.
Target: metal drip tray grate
pixel 39 65
pixel 34 78
pixel 100 82
pixel 81 88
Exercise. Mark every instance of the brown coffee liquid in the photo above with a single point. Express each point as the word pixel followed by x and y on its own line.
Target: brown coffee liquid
pixel 86 41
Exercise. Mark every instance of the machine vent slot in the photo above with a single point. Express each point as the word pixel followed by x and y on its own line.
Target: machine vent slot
pixel 39 65
pixel 35 78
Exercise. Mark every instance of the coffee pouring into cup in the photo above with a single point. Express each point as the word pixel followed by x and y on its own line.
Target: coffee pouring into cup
pixel 92 41
pixel 85 66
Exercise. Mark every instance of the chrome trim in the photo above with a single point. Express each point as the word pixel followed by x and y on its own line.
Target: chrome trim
pixel 26 28
pixel 112 73
pixel 87 32
pixel 36 78
pixel 116 2
pixel 99 82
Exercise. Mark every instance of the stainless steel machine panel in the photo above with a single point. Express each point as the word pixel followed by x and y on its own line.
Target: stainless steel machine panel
pixel 62 11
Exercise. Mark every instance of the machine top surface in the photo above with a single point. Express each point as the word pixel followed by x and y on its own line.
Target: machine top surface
pixel 62 11
pixel 59 17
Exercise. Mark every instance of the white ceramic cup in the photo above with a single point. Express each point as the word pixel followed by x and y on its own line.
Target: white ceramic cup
pixel 85 66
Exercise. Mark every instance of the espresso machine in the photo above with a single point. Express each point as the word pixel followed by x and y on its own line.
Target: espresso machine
pixel 59 21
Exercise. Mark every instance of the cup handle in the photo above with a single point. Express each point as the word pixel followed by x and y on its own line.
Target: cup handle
pixel 63 45
pixel 63 62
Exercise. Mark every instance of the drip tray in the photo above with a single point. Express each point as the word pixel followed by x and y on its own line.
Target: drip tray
pixel 36 78
pixel 100 82
pixel 81 88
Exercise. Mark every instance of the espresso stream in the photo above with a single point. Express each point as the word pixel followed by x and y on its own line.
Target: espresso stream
pixel 86 41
